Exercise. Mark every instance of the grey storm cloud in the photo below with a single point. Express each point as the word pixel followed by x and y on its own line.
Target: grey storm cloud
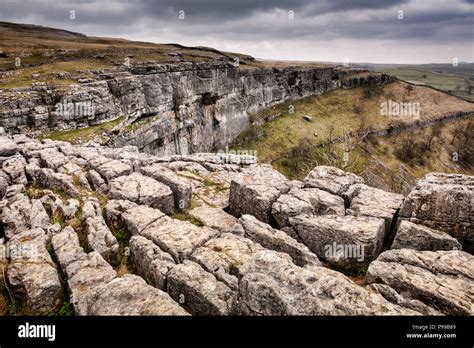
pixel 248 24
pixel 117 11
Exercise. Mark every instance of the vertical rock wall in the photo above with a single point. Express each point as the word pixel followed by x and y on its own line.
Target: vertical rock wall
pixel 184 108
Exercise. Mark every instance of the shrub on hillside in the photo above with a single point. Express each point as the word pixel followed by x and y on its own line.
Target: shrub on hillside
pixel 411 151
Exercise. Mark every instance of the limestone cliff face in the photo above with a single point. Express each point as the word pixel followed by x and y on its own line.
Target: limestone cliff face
pixel 188 107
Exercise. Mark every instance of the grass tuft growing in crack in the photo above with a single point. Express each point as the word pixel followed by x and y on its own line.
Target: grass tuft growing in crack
pixel 185 216
pixel 121 262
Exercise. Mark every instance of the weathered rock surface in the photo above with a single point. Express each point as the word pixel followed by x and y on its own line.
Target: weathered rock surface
pixel 7 146
pixel 441 279
pixel 56 205
pixel 331 179
pixel 152 263
pixel 16 213
pixel 97 182
pixel 273 239
pixel 178 238
pixel 272 285
pixel 256 191
pixel 142 190
pixel 343 241
pixel 15 168
pixel 39 217
pixel 96 289
pixel 310 201
pixel 182 191
pixel 52 158
pixel 141 299
pixel 198 290
pixel 391 295
pixel 100 238
pixel 84 271
pixel 419 237
pixel 31 271
pixel 58 181
pixel 214 217
pixel 214 99
pixel 127 245
pixel 368 201
pixel 225 255
pixel 444 202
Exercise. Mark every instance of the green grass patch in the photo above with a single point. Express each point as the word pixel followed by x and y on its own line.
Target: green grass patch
pixel 80 135
pixel 140 123
pixel 185 216
pixel 17 308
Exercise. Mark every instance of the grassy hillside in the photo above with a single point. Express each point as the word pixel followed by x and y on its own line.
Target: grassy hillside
pixel 457 82
pixel 336 135
pixel 49 52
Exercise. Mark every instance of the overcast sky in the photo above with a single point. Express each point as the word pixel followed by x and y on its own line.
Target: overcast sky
pixel 310 30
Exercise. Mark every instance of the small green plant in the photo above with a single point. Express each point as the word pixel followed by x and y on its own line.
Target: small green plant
pixel 216 186
pixel 78 225
pixel 361 272
pixel 16 308
pixel 185 216
pixel 58 218
pixel 66 309
pixel 120 232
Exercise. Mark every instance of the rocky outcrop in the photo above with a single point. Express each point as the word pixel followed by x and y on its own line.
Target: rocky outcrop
pixel 442 279
pixel 344 241
pixel 214 217
pixel 267 289
pixel 142 190
pixel 274 239
pixel 331 179
pixel 152 263
pixel 96 289
pixel 184 108
pixel 419 237
pixel 256 191
pixel 310 201
pixel 32 272
pixel 368 201
pixel 199 290
pixel 444 202
pixel 99 236
pixel 248 241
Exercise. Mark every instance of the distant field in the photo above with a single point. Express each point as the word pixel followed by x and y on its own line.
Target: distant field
pixel 458 85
